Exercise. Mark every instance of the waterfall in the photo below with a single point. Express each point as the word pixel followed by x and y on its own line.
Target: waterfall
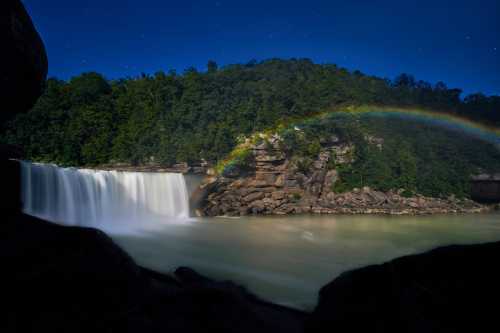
pixel 99 198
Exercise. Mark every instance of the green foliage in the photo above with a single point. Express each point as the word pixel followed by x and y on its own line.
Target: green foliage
pixel 332 163
pixel 167 118
pixel 432 161
pixel 296 197
pixel 240 159
pixel 304 164
pixel 313 148
pixel 414 156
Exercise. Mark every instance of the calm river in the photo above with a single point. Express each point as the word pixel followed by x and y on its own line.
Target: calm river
pixel 287 259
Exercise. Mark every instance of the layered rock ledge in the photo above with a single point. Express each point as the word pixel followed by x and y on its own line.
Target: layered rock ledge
pixel 273 183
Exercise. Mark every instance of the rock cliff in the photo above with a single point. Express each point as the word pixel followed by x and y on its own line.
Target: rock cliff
pixel 270 181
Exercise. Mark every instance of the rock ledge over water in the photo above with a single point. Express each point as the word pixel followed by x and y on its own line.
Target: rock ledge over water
pixel 271 182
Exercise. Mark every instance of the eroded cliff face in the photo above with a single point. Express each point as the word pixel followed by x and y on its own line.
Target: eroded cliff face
pixel 273 182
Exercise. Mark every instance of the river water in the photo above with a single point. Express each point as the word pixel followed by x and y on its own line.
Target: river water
pixel 287 259
pixel 283 259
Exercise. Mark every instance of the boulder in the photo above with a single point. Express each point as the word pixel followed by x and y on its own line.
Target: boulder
pixel 60 279
pixel 268 177
pixel 254 196
pixel 23 60
pixel 449 289
pixel 55 278
pixel 257 183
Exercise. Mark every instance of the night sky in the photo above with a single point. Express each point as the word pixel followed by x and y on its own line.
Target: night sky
pixel 457 41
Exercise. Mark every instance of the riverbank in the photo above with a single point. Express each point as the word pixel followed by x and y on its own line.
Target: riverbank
pixel 239 199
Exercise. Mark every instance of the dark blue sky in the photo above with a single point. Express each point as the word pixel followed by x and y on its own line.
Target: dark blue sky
pixel 454 41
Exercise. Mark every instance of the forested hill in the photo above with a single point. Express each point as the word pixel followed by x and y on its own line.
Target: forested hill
pixel 168 118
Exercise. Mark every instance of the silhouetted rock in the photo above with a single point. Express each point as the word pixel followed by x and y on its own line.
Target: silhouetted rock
pixel 23 61
pixel 59 279
pixel 23 69
pixel 55 278
pixel 450 289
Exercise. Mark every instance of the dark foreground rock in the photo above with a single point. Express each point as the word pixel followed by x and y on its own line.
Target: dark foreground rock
pixel 23 61
pixel 450 289
pixel 23 69
pixel 68 279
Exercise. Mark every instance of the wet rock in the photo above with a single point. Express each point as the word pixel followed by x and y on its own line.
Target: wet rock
pixel 257 207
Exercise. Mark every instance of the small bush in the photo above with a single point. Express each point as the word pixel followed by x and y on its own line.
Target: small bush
pixel 296 197
pixel 304 164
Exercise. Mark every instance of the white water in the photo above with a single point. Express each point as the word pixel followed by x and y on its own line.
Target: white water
pixel 103 199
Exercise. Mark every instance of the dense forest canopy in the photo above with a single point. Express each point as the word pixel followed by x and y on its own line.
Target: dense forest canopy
pixel 167 118
pixel 417 157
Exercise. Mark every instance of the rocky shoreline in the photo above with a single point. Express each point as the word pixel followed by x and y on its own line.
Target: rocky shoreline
pixel 271 183
pixel 235 199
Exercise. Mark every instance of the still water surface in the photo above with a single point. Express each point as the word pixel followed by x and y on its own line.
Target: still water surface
pixel 287 259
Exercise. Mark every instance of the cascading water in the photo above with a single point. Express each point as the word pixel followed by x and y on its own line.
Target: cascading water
pixel 102 198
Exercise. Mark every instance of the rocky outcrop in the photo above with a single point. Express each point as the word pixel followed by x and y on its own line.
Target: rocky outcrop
pixel 23 61
pixel 60 279
pixel 23 69
pixel 450 289
pixel 279 184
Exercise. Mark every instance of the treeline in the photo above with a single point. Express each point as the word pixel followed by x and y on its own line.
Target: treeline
pixel 167 117
pixel 432 161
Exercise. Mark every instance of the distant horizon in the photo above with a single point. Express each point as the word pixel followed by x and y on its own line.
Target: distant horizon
pixel 222 66
pixel 455 42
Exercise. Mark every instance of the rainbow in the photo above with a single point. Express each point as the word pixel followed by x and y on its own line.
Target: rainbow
pixel 452 122
pixel 446 120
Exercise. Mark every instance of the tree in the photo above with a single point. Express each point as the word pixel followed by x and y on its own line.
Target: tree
pixel 212 67
pixel 88 87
